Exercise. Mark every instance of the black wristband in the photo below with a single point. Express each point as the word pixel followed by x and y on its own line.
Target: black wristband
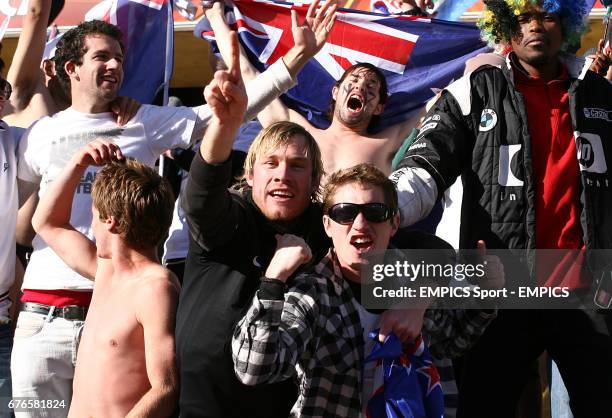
pixel 271 289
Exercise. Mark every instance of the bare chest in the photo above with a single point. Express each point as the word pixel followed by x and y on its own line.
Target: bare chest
pixel 341 152
pixel 111 322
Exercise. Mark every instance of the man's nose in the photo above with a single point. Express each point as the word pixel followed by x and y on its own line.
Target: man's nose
pixel 281 171
pixel 360 223
pixel 113 63
pixel 536 24
pixel 361 83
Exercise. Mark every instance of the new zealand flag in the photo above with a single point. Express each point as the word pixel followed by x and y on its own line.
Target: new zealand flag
pixel 418 56
pixel 408 383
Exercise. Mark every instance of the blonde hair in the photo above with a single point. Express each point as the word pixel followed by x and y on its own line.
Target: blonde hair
pixel 138 198
pixel 282 133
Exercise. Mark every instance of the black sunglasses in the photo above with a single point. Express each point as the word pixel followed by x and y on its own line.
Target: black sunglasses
pixel 345 213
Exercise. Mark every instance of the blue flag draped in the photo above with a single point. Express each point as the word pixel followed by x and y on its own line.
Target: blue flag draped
pixel 418 56
pixel 411 384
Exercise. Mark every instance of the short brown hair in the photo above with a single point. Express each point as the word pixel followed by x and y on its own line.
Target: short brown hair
pixel 281 133
pixel 138 198
pixel 362 174
pixel 71 46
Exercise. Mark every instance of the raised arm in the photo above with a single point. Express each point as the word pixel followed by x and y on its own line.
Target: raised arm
pixel 211 213
pixel 275 332
pixel 438 155
pixel 156 312
pixel 52 217
pixel 227 99
pixel 25 73
pixel 309 37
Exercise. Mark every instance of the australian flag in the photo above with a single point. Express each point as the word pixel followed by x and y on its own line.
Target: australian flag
pixel 407 383
pixel 147 36
pixel 418 56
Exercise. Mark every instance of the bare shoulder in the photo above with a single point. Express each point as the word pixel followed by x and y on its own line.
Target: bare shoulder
pixel 155 294
pixel 156 284
pixel 159 279
pixel 317 134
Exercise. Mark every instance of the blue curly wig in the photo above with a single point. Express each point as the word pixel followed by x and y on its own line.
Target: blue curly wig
pixel 500 21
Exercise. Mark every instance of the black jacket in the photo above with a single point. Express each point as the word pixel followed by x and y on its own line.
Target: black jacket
pixel 231 244
pixel 478 129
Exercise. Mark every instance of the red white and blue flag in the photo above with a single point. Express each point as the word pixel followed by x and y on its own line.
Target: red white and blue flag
pixel 407 383
pixel 418 56
pixel 147 28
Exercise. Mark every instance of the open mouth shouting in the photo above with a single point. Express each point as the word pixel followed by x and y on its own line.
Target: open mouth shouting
pixel 362 243
pixel 355 103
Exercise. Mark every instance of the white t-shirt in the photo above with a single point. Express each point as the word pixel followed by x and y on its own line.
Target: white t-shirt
pixel 8 215
pixel 50 143
pixel 177 243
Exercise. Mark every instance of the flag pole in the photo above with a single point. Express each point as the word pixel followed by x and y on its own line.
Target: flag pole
pixel 167 68
pixel 169 52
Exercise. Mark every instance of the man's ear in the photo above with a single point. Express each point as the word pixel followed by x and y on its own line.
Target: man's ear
pixel 327 225
pixel 334 92
pixel 395 223
pixel 249 179
pixel 71 69
pixel 112 225
pixel 48 67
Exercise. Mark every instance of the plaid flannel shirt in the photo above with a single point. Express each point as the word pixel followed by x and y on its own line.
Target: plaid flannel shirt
pixel 315 332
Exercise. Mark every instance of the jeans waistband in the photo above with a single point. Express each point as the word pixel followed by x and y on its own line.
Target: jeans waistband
pixel 71 313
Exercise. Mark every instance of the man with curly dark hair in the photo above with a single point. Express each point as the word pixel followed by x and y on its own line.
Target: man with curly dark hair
pixel 531 143
pixel 73 46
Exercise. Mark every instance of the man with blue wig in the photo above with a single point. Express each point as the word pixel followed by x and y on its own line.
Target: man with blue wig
pixel 531 141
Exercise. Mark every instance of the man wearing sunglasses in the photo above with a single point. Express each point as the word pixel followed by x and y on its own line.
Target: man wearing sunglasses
pixel 320 331
pixel 314 325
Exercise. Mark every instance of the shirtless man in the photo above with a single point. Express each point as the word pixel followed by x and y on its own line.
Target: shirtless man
pixel 125 364
pixel 359 96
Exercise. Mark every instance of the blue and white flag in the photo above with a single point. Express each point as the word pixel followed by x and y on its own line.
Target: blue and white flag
pixel 418 56
pixel 407 383
pixel 147 27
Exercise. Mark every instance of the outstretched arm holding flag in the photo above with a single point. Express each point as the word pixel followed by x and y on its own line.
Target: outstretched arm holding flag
pixel 308 39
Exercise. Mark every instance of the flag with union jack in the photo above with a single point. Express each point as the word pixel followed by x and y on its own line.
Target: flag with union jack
pixel 418 56
pixel 407 383
pixel 147 28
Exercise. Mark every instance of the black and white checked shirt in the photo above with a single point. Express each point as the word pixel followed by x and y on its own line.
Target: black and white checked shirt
pixel 315 332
